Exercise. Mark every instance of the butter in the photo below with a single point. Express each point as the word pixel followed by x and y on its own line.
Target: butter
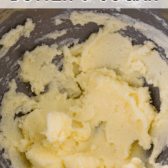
pixel 79 161
pixel 59 127
pixel 9 39
pixel 96 112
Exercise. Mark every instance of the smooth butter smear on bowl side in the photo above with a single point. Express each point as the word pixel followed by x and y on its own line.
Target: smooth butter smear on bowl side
pixel 96 112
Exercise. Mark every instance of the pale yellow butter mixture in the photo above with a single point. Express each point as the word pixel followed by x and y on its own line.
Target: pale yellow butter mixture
pixel 96 112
